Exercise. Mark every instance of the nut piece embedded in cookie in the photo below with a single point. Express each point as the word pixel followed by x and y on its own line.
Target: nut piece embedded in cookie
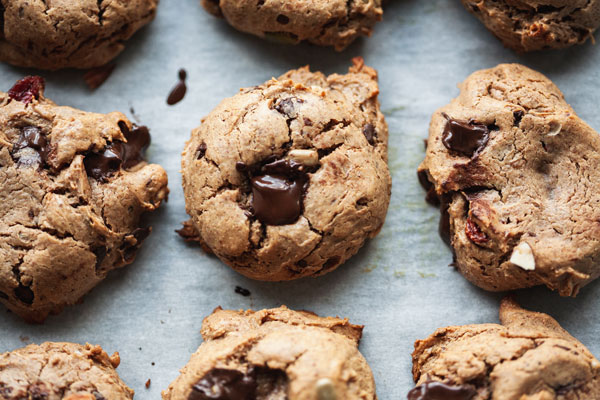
pixel 66 371
pixel 275 354
pixel 528 357
pixel 64 34
pixel 74 187
pixel 288 179
pixel 528 25
pixel 334 23
pixel 516 172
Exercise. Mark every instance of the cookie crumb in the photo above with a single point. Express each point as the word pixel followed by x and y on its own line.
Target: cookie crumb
pixel 148 382
pixel 242 291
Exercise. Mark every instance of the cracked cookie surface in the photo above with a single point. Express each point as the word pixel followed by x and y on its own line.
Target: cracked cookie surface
pixel 73 188
pixel 65 34
pixel 275 354
pixel 334 23
pixel 516 171
pixel 288 179
pixel 528 25
pixel 528 357
pixel 61 371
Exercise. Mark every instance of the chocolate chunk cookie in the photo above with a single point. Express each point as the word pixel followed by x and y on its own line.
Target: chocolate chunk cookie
pixel 516 172
pixel 55 371
pixel 528 25
pixel 528 357
pixel 275 354
pixel 288 179
pixel 73 187
pixel 334 23
pixel 66 34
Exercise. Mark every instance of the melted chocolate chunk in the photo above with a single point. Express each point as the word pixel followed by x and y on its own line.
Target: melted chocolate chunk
pixel 27 89
pixel 200 151
pixel 431 197
pixel 444 224
pixel 277 194
pixel 466 138
pixel 433 390
pixel 244 292
pixel 178 92
pixel 34 139
pixel 370 134
pixel 225 384
pixel 287 106
pixel 118 155
pixel 25 294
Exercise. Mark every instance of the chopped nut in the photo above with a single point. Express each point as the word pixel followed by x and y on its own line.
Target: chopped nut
pixel 325 389
pixel 555 128
pixel 306 157
pixel 522 256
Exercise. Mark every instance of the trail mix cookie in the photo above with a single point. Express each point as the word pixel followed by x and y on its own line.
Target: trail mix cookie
pixel 516 172
pixel 528 357
pixel 275 354
pixel 288 179
pixel 528 25
pixel 74 185
pixel 334 23
pixel 55 371
pixel 65 34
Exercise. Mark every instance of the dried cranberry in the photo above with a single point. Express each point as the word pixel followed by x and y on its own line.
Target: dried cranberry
pixel 474 233
pixel 27 89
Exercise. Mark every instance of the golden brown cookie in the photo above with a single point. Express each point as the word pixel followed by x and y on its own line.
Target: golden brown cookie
pixel 528 357
pixel 55 371
pixel 275 354
pixel 516 171
pixel 66 34
pixel 334 23
pixel 288 179
pixel 74 185
pixel 528 25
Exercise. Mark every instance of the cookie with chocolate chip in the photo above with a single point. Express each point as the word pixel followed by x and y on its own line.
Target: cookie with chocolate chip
pixel 74 185
pixel 515 170
pixel 275 354
pixel 288 179
pixel 334 23
pixel 528 25
pixel 527 357
pixel 67 371
pixel 66 34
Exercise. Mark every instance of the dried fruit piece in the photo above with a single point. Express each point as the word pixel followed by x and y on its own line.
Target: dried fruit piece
pixel 27 89
pixel 474 233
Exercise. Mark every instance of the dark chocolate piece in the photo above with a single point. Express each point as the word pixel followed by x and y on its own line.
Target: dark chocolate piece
pixel 31 137
pixel 518 116
pixel 200 151
pixel 95 77
pixel 225 384
pixel 370 134
pixel 287 106
pixel 465 138
pixel 278 193
pixel 27 89
pixel 119 154
pixel 178 92
pixel 444 224
pixel 434 390
pixel 25 294
pixel 244 292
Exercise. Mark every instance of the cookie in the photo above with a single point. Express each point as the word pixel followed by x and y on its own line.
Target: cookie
pixel 65 34
pixel 528 25
pixel 74 185
pixel 516 171
pixel 528 357
pixel 288 179
pixel 54 371
pixel 334 23
pixel 275 354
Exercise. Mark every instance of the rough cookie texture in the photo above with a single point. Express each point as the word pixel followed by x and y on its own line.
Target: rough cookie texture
pixel 65 34
pixel 72 193
pixel 528 25
pixel 528 357
pixel 55 371
pixel 275 354
pixel 516 171
pixel 288 179
pixel 327 23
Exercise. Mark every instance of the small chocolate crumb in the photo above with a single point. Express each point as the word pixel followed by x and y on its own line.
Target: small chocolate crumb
pixel 148 382
pixel 244 292
pixel 370 134
pixel 178 92
pixel 153 363
pixel 95 77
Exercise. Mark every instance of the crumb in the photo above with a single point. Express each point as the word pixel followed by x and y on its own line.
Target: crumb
pixel 148 382
pixel 242 291
pixel 153 363
pixel 24 339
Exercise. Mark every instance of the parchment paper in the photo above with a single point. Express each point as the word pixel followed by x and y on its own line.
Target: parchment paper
pixel 399 285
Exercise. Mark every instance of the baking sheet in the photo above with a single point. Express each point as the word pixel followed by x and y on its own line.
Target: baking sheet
pixel 399 285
